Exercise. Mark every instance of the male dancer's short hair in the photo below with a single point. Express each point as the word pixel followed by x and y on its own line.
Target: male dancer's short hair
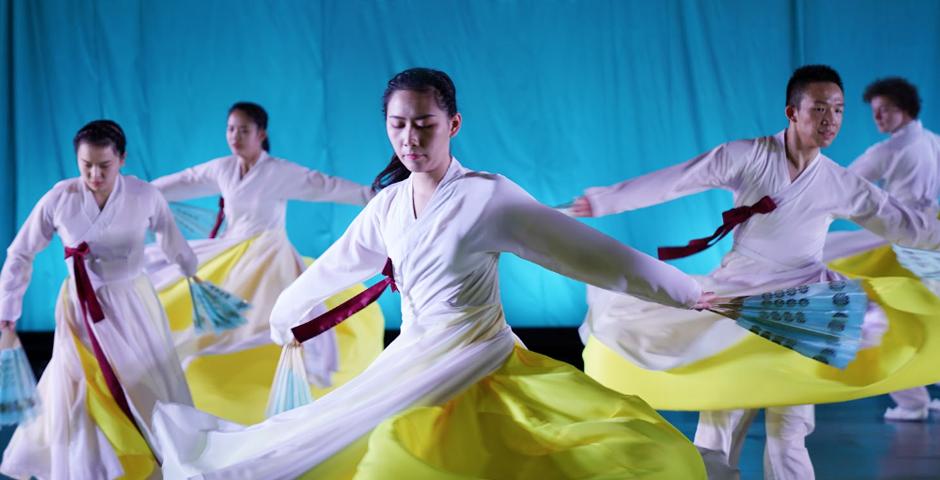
pixel 806 75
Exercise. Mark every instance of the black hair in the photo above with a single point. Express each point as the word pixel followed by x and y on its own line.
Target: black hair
pixel 423 80
pixel 901 93
pixel 101 133
pixel 257 115
pixel 806 75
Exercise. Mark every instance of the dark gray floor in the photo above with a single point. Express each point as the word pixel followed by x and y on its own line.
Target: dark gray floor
pixel 851 442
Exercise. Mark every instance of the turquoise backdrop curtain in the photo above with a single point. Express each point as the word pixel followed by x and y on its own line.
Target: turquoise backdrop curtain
pixel 556 95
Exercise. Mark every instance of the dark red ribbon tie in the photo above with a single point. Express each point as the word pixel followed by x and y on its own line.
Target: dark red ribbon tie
pixel 91 308
pixel 218 218
pixel 731 218
pixel 311 328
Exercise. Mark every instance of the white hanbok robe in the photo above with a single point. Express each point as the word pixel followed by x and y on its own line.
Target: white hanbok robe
pixel 453 330
pixel 64 441
pixel 907 166
pixel 780 249
pixel 255 209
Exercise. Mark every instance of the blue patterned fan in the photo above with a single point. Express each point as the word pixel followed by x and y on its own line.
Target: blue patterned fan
pixel 194 222
pixel 19 401
pixel 215 308
pixel 822 321
pixel 923 263
pixel 290 389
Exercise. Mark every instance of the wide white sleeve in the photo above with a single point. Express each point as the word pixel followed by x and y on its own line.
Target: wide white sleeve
pixel 33 237
pixel 718 168
pixel 302 183
pixel 877 211
pixel 169 238
pixel 358 255
pixel 872 164
pixel 515 222
pixel 193 182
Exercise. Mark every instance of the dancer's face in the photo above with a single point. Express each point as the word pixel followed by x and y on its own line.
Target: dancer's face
pixel 888 117
pixel 243 135
pixel 420 131
pixel 818 117
pixel 99 166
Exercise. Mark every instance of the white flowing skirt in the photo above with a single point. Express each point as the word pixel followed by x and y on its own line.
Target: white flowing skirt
pixel 657 337
pixel 64 442
pixel 427 364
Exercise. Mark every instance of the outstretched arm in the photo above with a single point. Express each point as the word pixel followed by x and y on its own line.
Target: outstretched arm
pixel 32 238
pixel 877 211
pixel 516 223
pixel 358 255
pixel 717 168
pixel 302 183
pixel 193 182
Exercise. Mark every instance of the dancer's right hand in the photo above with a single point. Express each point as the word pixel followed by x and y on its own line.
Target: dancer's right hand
pixel 7 334
pixel 706 301
pixel 581 207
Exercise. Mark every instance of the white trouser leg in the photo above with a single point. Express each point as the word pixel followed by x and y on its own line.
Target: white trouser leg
pixel 911 399
pixel 719 437
pixel 785 456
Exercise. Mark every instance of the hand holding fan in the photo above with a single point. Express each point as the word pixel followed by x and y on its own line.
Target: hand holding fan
pixel 215 308
pixel 822 321
pixel 19 401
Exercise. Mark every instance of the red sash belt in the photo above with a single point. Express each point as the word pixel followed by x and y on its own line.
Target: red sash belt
pixel 218 219
pixel 307 330
pixel 91 308
pixel 732 218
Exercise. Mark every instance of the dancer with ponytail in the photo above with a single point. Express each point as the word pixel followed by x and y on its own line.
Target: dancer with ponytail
pixel 252 258
pixel 455 395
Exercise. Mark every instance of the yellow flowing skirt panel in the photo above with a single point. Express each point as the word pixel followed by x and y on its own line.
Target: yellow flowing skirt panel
pixel 877 262
pixel 128 444
pixel 757 373
pixel 532 418
pixel 235 386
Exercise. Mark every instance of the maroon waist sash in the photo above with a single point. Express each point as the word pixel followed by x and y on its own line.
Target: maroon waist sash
pixel 311 328
pixel 731 218
pixel 91 308
pixel 218 218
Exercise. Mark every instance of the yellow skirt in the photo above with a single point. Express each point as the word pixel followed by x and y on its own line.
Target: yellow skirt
pixel 235 386
pixel 758 373
pixel 877 262
pixel 129 445
pixel 533 418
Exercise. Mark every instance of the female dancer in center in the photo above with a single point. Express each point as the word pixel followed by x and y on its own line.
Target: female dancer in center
pixel 455 395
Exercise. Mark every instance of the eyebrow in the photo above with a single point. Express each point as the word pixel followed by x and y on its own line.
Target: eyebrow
pixel 422 117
